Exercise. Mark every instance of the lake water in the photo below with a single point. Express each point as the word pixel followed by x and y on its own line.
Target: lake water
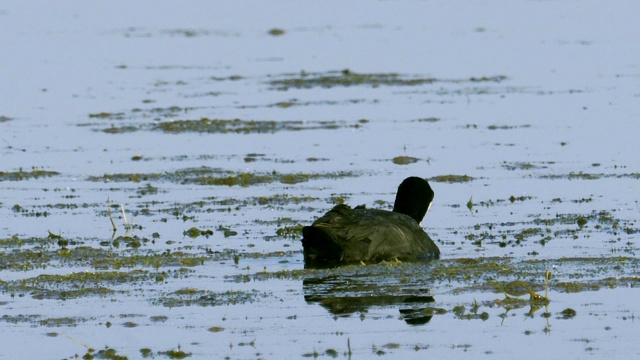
pixel 252 119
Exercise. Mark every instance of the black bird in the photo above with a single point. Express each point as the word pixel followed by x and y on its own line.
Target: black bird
pixel 346 235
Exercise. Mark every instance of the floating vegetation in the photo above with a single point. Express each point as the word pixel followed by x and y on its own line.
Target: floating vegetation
pixel 247 179
pixel 512 199
pixel 43 213
pixel 276 32
pixel 106 353
pixel 195 232
pixel 206 125
pixel 493 274
pixel 545 229
pixel 215 329
pixel 129 241
pixel 601 217
pixel 567 313
pixel 452 178
pixel 17 242
pixel 26 175
pixel 74 285
pixel 404 160
pixel 295 102
pixel 526 165
pixel 147 190
pixel 39 253
pixel 134 177
pixel 175 354
pixel 507 127
pixel 185 32
pixel 220 177
pixel 58 322
pixel 233 126
pixel 292 232
pixel 427 120
pixel 574 176
pixel 304 80
pixel 587 176
pixel 283 199
pixel 227 231
pixel 461 313
pixel 107 115
pixel 470 204
pixel 16 319
pixel 430 311
pixel 121 129
pixel 196 297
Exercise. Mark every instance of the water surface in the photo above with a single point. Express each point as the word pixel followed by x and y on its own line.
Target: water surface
pixel 251 121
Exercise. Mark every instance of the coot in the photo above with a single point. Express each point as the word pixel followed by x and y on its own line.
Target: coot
pixel 350 235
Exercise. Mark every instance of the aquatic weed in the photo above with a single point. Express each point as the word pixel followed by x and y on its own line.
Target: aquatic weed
pixel 21 174
pixel 346 77
pixel 451 178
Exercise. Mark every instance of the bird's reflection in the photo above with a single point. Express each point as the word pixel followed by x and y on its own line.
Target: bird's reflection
pixel 346 294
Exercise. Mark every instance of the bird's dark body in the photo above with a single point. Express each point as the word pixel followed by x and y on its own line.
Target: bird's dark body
pixel 349 235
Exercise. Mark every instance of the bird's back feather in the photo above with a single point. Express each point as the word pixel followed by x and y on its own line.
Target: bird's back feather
pixel 352 235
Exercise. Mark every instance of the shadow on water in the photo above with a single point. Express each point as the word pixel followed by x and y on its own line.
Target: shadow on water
pixel 344 295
